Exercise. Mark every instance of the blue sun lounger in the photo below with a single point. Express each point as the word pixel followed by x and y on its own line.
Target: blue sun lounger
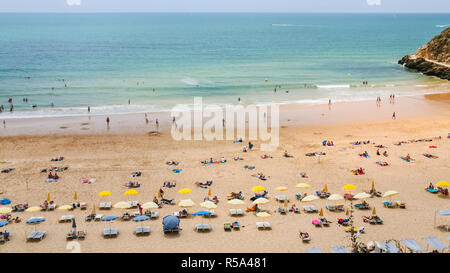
pixel 435 243
pixel 389 247
pixel 339 249
pixel 314 250
pixel 412 245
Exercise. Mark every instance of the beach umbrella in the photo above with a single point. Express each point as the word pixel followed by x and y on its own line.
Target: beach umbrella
pixel 65 207
pixel 390 193
pixel 35 220
pixel 108 218
pixel 186 203
pixel 3 223
pixel 93 209
pixel 281 189
pixel 5 201
pixel 258 188
pixel 325 189
pixel 335 197
pixel 362 195
pixel 104 193
pixel 48 197
pixel 209 191
pixel 347 212
pixel 373 185
pixel 310 198
pixel 75 197
pixel 122 205
pixel 74 224
pixel 443 184
pixel 263 214
pixel 374 212
pixel 5 210
pixel 185 190
pixel 321 212
pixel 141 218
pixel 150 205
pixel 170 222
pixel 348 187
pixel 208 205
pixel 302 186
pixel 261 200
pixel 131 192
pixel 202 212
pixel 236 202
pixel 33 209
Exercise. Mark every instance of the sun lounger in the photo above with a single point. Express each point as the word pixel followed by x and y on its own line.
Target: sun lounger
pixel 133 203
pixel 202 227
pixel 31 235
pixel 339 249
pixel 142 231
pixel 282 210
pixel 435 243
pixel 101 206
pixel 154 215
pixel 213 214
pixel 412 245
pixel 236 212
pixel 83 206
pixel 110 232
pixel 81 234
pixel 98 217
pixel 36 235
pixel 66 218
pixel 389 247
pixel 314 250
pixel 330 207
pixel 227 226
pixel 263 225
pixel 108 205
pixel 311 208
pixel 168 230
pixel 281 198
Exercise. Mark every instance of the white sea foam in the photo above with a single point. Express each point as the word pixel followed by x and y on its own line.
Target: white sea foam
pixel 190 81
pixel 333 86
pixel 440 26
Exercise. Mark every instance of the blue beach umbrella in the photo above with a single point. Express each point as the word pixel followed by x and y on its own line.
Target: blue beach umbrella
pixel 202 212
pixel 3 223
pixel 109 218
pixel 171 221
pixel 141 218
pixel 5 201
pixel 35 220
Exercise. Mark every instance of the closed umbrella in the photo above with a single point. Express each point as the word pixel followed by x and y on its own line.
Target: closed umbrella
pixel 374 212
pixel 48 197
pixel 75 197
pixel 325 188
pixel 74 224
pixel 321 212
pixel 310 198
pixel 209 191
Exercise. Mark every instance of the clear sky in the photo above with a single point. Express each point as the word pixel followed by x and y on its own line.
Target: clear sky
pixel 326 6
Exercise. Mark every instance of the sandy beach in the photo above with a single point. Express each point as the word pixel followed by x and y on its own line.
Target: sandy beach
pixel 90 151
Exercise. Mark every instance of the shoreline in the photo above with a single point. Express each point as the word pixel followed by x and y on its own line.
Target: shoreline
pixel 293 114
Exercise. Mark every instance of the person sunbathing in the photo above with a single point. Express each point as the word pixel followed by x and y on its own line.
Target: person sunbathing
pixel 303 175
pixel 378 152
pixel 254 208
pixel 385 153
pixel 266 156
pixel 287 155
pixel 238 158
pixel 408 157
pixel 431 187
pixel 304 235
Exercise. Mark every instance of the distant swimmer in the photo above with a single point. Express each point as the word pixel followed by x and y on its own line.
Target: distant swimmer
pixel 153 89
pixel 239 99
pixel 11 108
pixel 173 120
pixel 129 101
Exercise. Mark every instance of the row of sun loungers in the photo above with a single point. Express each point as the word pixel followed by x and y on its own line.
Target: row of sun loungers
pixel 263 225
pixel 142 231
pixel 202 227
pixel 335 207
pixel 311 208
pixel 110 232
pixel 107 205
pixel 236 212
pixel 36 235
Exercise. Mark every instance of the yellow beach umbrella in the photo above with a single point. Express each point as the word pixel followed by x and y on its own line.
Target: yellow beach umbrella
pixel 186 203
pixel 443 184
pixel 122 205
pixel 131 192
pixel 362 195
pixel 208 205
pixel 302 186
pixel 209 192
pixel 266 80
pixel 104 193
pixel 390 193
pixel 150 205
pixel 310 198
pixel 348 187
pixel 185 191
pixel 75 197
pixel 5 210
pixel 159 194
pixel 374 212
pixel 93 209
pixel 373 185
pixel 33 209
pixel 281 189
pixel 321 212
pixel 325 189
pixel 347 212
pixel 48 197
pixel 263 214
pixel 65 207
pixel 236 202
pixel 335 197
pixel 261 200
pixel 258 188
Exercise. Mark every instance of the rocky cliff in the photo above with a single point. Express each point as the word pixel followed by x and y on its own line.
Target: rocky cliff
pixel 433 58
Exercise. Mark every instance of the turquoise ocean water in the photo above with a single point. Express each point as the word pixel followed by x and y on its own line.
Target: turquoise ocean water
pixel 106 59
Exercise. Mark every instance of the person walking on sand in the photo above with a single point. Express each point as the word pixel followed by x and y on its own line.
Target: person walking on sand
pixel 129 101
pixel 107 122
pixel 393 116
pixel 89 109
pixel 157 124
pixel 329 102
pixel 4 123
